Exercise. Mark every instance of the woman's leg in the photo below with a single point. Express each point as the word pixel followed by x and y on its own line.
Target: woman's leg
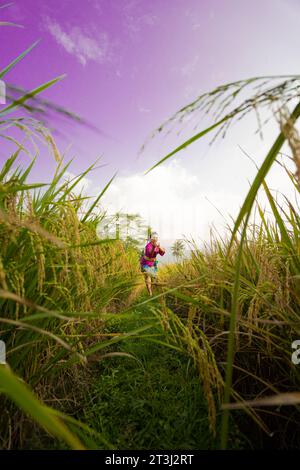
pixel 154 278
pixel 148 283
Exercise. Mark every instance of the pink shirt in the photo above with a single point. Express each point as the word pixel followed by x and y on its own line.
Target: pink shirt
pixel 151 252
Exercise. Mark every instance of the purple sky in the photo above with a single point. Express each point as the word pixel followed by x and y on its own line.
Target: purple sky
pixel 130 64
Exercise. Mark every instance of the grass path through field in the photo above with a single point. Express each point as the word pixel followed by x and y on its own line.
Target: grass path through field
pixel 152 400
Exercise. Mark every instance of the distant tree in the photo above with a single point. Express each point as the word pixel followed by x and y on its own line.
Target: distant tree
pixel 136 231
pixel 178 249
pixel 129 228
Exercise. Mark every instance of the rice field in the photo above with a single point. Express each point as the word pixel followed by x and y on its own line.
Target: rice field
pixel 91 361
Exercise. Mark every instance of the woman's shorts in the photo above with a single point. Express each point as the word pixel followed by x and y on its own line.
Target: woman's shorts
pixel 150 270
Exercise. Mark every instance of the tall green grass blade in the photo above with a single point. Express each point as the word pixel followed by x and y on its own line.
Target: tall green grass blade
pixel 8 164
pixel 98 199
pixel 31 94
pixel 19 392
pixel 231 342
pixel 261 175
pixel 105 344
pixel 285 238
pixel 189 142
pixel 244 216
pixel 14 62
pixel 9 23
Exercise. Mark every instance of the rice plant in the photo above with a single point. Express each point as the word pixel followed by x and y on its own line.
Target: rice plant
pixel 267 315
pixel 233 308
pixel 218 101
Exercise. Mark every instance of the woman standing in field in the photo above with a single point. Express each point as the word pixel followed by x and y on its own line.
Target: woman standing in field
pixel 148 260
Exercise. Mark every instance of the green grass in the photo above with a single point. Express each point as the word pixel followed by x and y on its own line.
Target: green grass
pixel 218 101
pixel 155 402
pixel 60 286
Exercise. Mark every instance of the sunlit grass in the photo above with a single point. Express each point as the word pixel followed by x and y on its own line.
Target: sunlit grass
pixel 267 303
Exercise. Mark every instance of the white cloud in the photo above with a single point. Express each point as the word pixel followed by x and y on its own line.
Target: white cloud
pixel 171 200
pixel 135 22
pixel 143 110
pixel 77 43
pixel 180 201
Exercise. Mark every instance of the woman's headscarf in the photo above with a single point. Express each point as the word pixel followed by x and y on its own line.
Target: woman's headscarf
pixel 153 236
